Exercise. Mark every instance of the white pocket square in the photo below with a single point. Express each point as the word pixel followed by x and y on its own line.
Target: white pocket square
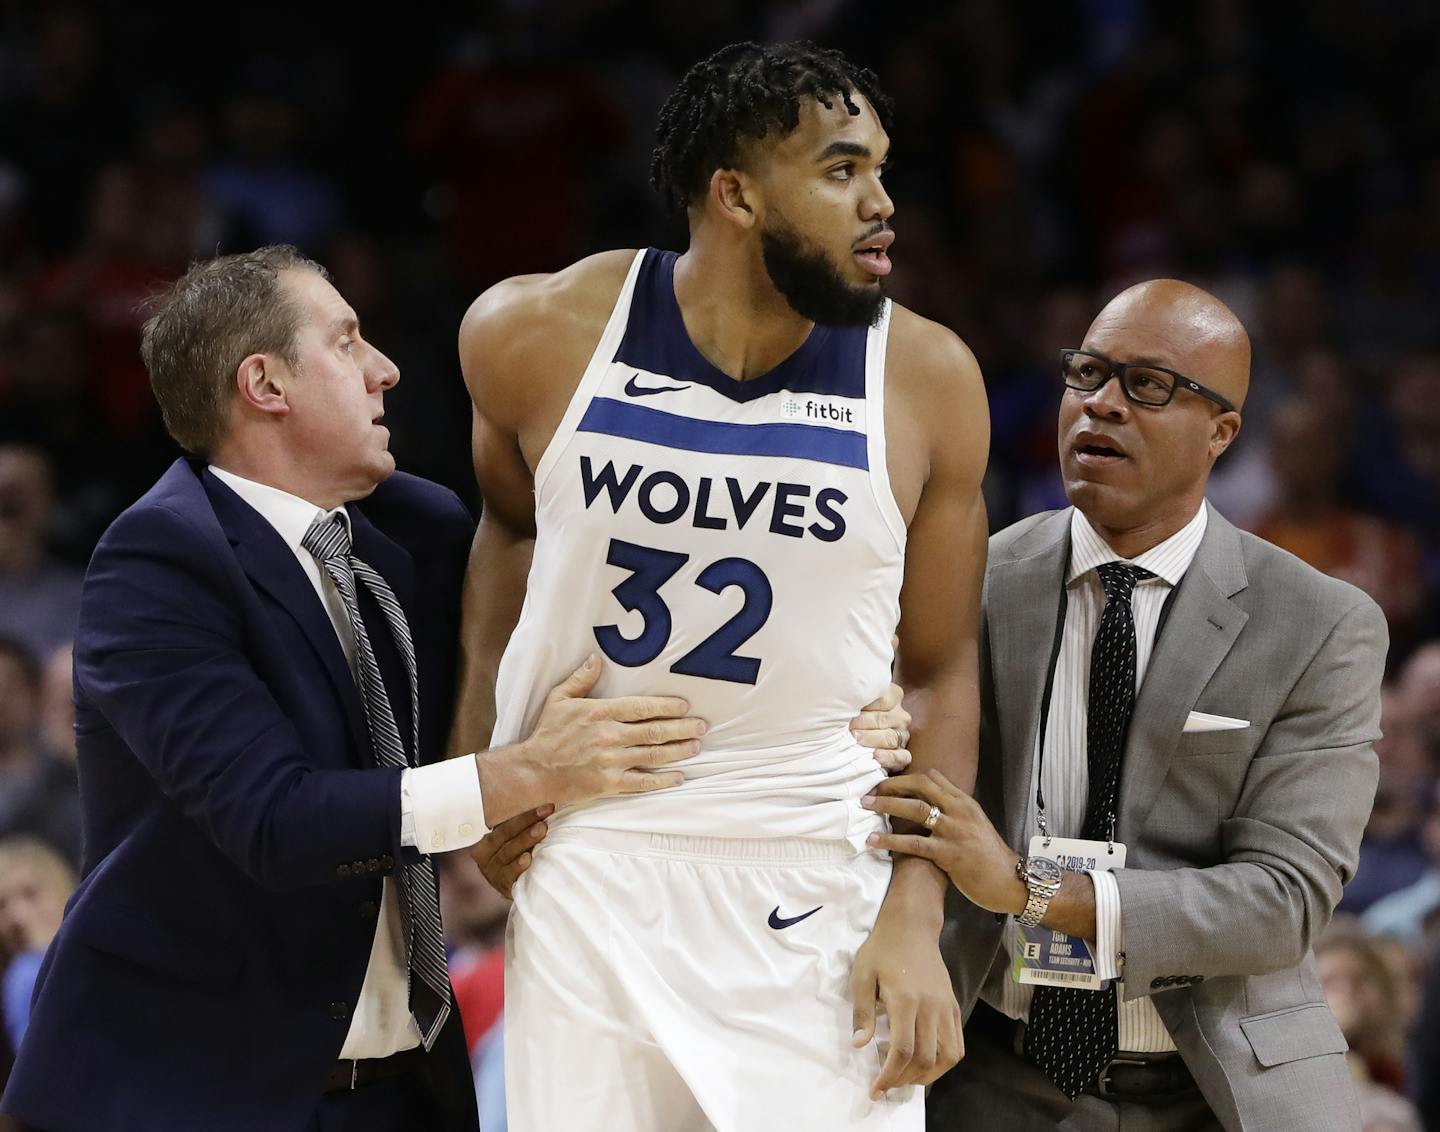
pixel 1203 721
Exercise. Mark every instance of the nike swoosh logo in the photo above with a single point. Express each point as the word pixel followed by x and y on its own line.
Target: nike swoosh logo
pixel 779 922
pixel 634 390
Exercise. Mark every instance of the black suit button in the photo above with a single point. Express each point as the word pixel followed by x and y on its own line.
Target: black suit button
pixel 1196 979
pixel 339 1011
pixel 372 865
pixel 1157 982
pixel 342 870
pixel 369 910
pixel 387 862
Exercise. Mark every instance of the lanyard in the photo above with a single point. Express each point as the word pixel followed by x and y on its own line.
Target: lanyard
pixel 1045 712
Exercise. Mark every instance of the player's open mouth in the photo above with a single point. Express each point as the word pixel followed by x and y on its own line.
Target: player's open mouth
pixel 873 254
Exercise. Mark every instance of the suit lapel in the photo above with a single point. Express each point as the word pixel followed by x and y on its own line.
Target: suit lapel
pixel 273 568
pixel 1023 608
pixel 1201 629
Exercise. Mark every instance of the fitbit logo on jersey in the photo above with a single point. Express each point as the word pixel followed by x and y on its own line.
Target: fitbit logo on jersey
pixel 811 410
pixel 667 497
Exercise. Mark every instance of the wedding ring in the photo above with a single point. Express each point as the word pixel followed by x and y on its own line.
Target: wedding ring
pixel 932 818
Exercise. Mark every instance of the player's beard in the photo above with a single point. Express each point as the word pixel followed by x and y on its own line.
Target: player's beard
pixel 812 285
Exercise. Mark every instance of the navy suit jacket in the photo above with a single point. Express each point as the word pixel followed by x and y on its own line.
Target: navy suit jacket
pixel 236 828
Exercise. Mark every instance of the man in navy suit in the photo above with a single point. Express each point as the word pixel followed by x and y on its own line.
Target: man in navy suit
pixel 246 948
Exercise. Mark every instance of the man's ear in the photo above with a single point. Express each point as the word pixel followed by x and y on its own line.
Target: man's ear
pixel 732 194
pixel 262 382
pixel 1223 431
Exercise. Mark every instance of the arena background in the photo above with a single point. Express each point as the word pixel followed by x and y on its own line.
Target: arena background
pixel 1285 156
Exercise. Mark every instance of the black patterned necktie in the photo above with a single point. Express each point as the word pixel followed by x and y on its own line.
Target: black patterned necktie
pixel 428 984
pixel 1072 1034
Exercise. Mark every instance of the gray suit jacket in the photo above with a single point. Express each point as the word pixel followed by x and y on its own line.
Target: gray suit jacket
pixel 1239 841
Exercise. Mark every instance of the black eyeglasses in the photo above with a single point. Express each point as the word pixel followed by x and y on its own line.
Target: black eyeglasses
pixel 1145 385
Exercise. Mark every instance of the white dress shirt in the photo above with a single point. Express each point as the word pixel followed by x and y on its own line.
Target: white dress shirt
pixel 1066 784
pixel 440 804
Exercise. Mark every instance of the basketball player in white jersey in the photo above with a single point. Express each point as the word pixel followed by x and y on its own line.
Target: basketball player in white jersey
pixel 731 474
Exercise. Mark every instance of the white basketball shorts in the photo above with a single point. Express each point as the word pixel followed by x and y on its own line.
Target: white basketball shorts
pixel 657 983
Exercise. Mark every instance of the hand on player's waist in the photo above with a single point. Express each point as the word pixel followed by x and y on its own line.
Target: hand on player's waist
pixel 589 748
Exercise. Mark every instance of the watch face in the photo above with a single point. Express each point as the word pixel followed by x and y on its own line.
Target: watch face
pixel 1044 870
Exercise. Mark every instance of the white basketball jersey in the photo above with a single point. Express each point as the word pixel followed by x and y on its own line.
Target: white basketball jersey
pixel 735 543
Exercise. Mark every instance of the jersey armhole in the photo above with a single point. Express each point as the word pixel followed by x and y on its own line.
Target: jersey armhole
pixel 580 400
pixel 875 346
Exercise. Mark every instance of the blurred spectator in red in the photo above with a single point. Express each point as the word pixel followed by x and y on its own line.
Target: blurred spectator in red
pixel 133 243
pixel 1360 987
pixel 474 916
pixel 39 597
pixel 1307 447
pixel 35 883
pixel 514 143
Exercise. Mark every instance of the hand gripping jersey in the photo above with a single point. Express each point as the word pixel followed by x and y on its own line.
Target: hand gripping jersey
pixel 735 543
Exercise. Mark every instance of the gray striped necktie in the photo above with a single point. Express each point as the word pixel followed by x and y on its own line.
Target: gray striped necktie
pixel 1073 1034
pixel 328 540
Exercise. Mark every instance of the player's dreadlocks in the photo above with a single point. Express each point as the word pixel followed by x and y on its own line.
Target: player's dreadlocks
pixel 743 92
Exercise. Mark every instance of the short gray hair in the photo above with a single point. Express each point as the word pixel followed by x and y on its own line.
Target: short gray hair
pixel 205 324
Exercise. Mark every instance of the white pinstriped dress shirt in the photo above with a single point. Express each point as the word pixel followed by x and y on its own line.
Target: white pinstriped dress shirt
pixel 1066 783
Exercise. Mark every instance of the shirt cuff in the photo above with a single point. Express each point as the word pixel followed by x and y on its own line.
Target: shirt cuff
pixel 1109 931
pixel 440 806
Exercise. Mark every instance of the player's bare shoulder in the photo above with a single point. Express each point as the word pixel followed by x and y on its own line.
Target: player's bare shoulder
pixel 935 404
pixel 928 361
pixel 526 340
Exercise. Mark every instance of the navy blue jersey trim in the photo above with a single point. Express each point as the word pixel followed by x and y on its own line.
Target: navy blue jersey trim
pixel 800 441
pixel 831 361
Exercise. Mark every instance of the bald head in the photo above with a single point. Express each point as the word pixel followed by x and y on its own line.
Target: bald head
pixel 1138 469
pixel 1195 329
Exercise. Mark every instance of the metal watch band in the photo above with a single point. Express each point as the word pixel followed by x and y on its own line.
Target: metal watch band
pixel 1040 895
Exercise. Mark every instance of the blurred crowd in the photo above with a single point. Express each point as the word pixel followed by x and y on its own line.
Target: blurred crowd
pixel 1286 157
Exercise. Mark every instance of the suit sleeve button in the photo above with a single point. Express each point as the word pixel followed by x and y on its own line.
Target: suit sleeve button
pixel 387 862
pixel 1157 982
pixel 339 1011
pixel 342 870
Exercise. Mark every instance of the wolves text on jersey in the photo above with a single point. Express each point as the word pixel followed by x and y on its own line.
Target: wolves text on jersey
pixel 664 496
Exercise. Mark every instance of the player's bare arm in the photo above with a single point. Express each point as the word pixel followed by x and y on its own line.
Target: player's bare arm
pixel 523 346
pixel 937 429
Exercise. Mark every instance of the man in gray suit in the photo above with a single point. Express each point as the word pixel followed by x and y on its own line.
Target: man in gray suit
pixel 1162 685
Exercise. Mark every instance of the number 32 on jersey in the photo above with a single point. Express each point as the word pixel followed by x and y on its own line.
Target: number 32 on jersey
pixel 715 657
